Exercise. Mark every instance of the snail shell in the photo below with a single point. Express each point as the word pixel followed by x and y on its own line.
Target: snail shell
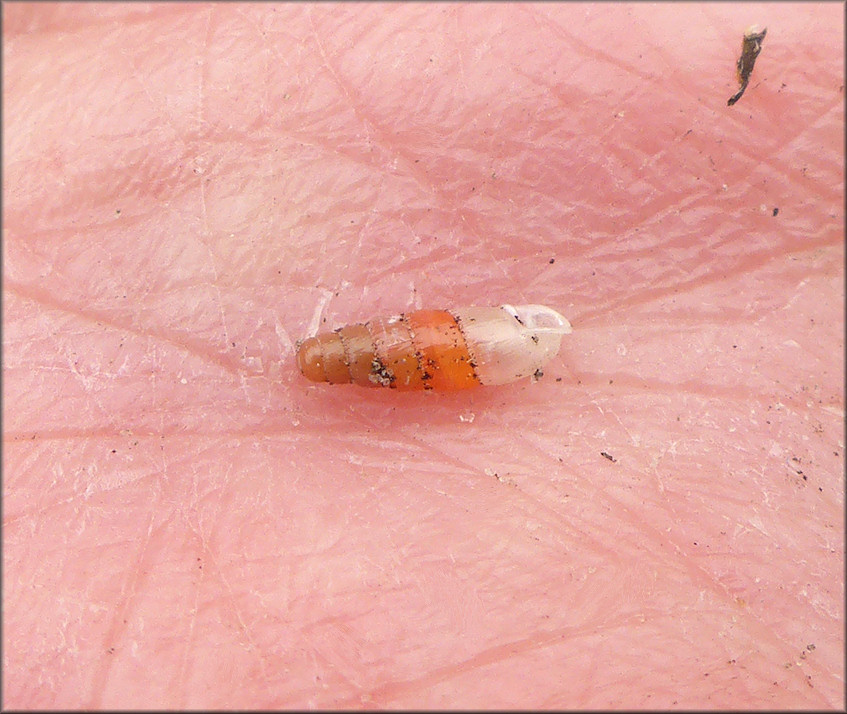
pixel 437 349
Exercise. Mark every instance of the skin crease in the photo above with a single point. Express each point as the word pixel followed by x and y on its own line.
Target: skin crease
pixel 187 522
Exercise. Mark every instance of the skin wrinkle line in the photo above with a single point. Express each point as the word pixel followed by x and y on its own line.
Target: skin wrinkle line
pixel 633 442
pixel 721 34
pixel 231 367
pixel 590 681
pixel 657 214
pixel 427 447
pixel 137 75
pixel 585 50
pixel 201 177
pixel 755 624
pixel 743 266
pixel 226 587
pixel 541 506
pixel 683 241
pixel 773 162
pixel 128 593
pixel 372 129
pixel 431 187
pixel 697 574
pixel 225 584
pixel 12 519
pixel 356 249
pixel 335 662
pixel 815 125
pixel 381 137
pixel 758 163
pixel 204 67
pixel 730 393
pixel 270 47
pixel 25 436
pixel 650 159
pixel 412 264
pixel 329 664
pixel 184 158
pixel 315 141
pixel 491 655
pixel 96 395
pixel 634 385
pixel 82 496
pixel 462 80
pixel 189 642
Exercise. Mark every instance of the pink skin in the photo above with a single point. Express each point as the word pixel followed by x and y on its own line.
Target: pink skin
pixel 190 189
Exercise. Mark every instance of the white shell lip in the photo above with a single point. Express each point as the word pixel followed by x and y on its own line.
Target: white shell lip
pixel 540 318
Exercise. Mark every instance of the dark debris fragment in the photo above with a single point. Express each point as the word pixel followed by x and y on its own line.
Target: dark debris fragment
pixel 751 45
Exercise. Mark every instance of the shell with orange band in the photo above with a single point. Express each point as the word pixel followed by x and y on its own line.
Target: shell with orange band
pixel 437 349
